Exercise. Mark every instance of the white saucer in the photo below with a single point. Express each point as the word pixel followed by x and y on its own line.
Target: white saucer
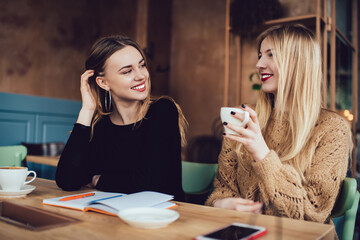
pixel 148 218
pixel 26 189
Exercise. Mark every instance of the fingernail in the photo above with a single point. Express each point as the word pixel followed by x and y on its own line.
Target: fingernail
pixel 232 113
pixel 243 106
pixel 225 123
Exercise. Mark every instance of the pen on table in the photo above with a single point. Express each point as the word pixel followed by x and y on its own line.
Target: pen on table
pixel 77 196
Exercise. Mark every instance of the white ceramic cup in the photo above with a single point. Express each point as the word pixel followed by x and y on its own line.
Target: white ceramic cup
pixel 13 178
pixel 225 114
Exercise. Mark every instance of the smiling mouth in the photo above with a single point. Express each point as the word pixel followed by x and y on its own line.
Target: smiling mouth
pixel 139 88
pixel 265 77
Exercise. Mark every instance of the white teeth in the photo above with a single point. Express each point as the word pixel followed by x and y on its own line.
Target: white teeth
pixel 266 76
pixel 139 87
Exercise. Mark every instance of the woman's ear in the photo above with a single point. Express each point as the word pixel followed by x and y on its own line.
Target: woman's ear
pixel 101 82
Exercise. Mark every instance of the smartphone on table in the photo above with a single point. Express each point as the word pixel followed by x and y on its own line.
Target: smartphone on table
pixel 234 231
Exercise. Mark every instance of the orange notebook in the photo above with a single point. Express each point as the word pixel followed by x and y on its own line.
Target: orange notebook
pixel 111 203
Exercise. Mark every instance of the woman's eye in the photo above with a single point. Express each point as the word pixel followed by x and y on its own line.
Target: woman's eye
pixel 129 71
pixel 143 65
pixel 270 54
pixel 259 56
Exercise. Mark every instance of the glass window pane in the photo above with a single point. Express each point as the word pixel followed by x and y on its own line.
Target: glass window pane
pixel 343 97
pixel 344 17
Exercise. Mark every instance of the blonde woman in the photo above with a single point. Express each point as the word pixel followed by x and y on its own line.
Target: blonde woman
pixel 124 140
pixel 291 157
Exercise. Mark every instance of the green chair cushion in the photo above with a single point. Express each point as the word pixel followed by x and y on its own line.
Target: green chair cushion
pixel 197 178
pixel 12 156
pixel 346 197
pixel 345 209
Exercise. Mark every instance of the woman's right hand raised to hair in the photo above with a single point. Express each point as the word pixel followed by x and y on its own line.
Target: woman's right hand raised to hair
pixel 88 100
pixel 239 204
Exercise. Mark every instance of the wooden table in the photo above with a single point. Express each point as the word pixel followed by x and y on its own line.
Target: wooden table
pixel 47 160
pixel 194 220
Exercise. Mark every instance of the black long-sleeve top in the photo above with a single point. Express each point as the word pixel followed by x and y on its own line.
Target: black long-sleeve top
pixel 129 158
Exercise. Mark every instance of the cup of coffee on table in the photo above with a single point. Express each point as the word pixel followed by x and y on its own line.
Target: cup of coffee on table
pixel 226 116
pixel 14 178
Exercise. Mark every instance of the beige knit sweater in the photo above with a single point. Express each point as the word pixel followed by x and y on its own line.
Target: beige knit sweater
pixel 278 185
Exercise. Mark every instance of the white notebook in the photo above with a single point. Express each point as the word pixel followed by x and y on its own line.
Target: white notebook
pixel 112 203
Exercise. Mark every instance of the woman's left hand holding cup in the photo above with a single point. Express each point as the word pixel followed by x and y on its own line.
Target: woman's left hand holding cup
pixel 249 135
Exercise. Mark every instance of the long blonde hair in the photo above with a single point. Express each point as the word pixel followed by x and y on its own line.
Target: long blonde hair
pixel 297 55
pixel 100 52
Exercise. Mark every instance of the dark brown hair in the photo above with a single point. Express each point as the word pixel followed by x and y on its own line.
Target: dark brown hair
pixel 100 52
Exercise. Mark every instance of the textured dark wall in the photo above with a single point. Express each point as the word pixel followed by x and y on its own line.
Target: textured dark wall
pixel 159 45
pixel 197 61
pixel 44 43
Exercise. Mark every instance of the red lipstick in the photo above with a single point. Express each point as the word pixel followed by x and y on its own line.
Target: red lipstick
pixel 265 76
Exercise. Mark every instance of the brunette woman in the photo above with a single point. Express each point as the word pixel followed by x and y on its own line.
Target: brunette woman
pixel 124 140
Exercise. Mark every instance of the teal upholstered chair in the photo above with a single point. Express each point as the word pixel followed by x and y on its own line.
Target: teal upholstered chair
pixel 345 209
pixel 197 178
pixel 12 156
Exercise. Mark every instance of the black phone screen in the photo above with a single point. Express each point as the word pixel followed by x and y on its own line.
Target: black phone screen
pixel 232 233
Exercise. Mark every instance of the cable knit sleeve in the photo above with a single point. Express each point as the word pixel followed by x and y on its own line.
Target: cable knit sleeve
pixel 281 188
pixel 225 179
